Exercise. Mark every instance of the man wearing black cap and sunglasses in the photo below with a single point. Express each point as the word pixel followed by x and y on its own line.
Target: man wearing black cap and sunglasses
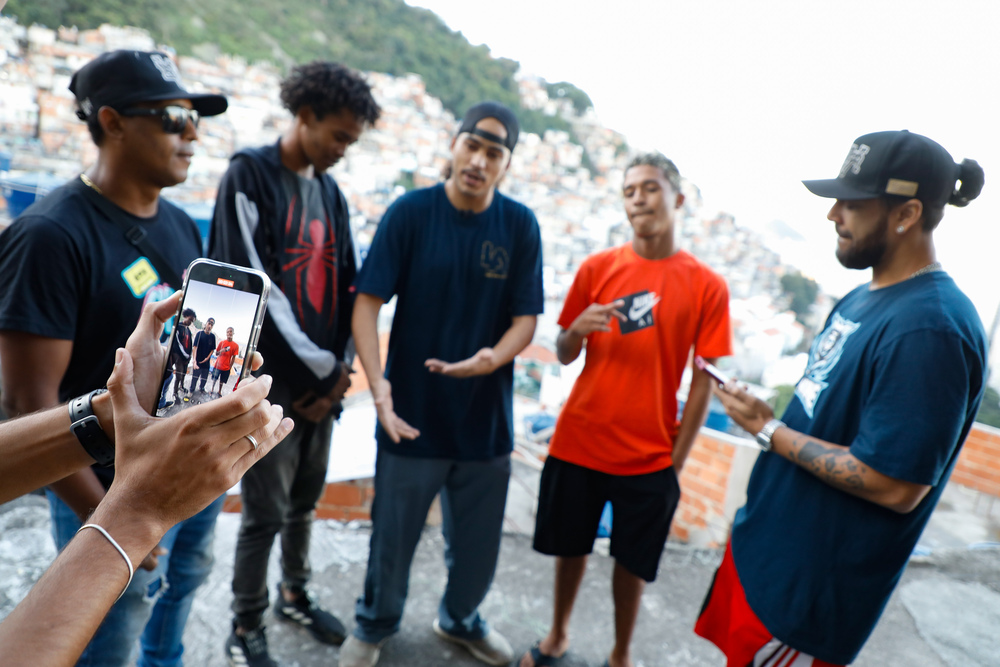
pixel 848 480
pixel 464 262
pixel 77 269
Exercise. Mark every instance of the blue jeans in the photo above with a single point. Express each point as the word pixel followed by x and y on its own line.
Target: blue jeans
pixel 156 605
pixel 473 497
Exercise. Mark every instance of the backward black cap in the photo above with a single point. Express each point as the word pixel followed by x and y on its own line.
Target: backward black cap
pixel 492 110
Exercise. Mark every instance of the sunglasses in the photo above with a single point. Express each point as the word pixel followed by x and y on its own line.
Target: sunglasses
pixel 175 118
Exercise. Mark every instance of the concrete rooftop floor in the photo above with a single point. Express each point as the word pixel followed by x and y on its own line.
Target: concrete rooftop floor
pixel 946 611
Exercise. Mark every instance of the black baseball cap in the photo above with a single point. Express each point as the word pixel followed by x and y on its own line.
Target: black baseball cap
pixel 898 163
pixel 492 110
pixel 118 79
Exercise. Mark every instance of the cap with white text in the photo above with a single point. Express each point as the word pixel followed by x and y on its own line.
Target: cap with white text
pixel 898 163
pixel 118 79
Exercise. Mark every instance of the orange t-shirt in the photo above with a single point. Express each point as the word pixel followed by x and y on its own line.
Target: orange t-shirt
pixel 621 416
pixel 227 350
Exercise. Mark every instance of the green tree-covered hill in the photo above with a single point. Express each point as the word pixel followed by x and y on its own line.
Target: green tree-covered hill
pixel 375 35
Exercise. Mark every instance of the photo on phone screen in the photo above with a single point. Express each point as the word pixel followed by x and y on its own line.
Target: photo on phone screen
pixel 212 339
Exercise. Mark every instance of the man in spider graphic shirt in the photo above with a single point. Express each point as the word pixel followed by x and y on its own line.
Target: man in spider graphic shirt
pixel 278 211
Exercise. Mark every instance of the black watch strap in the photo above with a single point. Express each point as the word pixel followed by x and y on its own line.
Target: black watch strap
pixel 86 428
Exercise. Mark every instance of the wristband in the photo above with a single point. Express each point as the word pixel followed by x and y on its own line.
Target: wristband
pixel 87 429
pixel 128 561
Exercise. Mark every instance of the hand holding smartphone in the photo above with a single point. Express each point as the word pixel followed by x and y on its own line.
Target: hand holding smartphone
pixel 214 335
pixel 714 372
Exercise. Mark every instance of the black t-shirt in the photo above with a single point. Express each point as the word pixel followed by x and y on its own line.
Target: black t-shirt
pixel 204 346
pixel 68 272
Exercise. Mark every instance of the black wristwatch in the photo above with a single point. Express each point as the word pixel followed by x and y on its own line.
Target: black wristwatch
pixel 86 428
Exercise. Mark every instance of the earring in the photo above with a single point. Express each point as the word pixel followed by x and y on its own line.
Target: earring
pixel 900 229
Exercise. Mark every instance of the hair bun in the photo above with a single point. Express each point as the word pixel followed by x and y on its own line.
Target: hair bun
pixel 971 176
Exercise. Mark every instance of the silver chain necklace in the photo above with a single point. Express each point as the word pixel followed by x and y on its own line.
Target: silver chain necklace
pixel 930 268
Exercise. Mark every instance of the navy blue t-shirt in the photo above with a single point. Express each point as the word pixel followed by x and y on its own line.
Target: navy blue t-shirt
pixel 459 279
pixel 898 375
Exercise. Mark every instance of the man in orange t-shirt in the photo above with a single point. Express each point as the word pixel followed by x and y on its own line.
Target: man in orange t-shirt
pixel 618 438
pixel 227 351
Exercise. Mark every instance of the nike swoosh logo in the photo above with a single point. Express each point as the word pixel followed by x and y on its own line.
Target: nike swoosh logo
pixel 637 313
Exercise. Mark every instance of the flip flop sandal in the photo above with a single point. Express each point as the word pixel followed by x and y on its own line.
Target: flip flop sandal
pixel 541 659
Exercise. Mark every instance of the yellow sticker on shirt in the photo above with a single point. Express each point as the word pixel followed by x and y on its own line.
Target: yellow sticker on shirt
pixel 140 276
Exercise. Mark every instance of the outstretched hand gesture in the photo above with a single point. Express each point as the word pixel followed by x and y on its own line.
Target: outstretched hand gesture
pixel 393 425
pixel 481 363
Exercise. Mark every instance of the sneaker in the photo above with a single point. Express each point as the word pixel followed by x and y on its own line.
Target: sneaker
pixel 358 653
pixel 323 625
pixel 492 649
pixel 248 649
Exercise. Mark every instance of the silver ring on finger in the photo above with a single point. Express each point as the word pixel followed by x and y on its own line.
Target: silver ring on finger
pixel 253 441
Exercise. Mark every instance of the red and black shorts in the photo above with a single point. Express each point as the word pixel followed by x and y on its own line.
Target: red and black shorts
pixel 727 621
pixel 571 499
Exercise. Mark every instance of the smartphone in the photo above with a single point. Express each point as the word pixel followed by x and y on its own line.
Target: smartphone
pixel 716 374
pixel 214 334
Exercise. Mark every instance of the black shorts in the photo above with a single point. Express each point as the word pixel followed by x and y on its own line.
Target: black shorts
pixel 571 499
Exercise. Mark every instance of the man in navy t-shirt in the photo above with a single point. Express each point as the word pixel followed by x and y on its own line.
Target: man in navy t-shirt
pixel 464 263
pixel 848 480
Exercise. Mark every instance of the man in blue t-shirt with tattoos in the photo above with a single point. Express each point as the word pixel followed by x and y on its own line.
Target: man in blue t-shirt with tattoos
pixel 849 478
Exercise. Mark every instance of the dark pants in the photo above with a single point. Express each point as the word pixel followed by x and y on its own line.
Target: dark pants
pixel 201 373
pixel 473 497
pixel 179 363
pixel 279 495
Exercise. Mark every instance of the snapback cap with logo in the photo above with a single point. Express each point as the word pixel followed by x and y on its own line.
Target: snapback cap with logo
pixel 119 79
pixel 898 163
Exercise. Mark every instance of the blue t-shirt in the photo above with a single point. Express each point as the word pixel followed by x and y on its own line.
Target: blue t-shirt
pixel 898 375
pixel 459 279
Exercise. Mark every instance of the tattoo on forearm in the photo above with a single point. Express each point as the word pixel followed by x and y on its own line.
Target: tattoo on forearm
pixel 834 465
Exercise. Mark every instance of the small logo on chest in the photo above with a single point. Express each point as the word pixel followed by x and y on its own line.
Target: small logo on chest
pixel 494 260
pixel 638 308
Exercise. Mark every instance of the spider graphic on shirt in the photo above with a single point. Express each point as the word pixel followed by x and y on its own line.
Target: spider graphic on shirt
pixel 312 256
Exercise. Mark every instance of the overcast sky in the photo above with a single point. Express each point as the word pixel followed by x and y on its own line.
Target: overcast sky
pixel 751 97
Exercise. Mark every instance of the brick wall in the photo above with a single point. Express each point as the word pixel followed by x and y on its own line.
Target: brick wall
pixel 704 481
pixel 713 487
pixel 978 465
pixel 343 501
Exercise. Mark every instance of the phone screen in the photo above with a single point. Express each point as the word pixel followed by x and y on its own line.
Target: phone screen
pixel 210 340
